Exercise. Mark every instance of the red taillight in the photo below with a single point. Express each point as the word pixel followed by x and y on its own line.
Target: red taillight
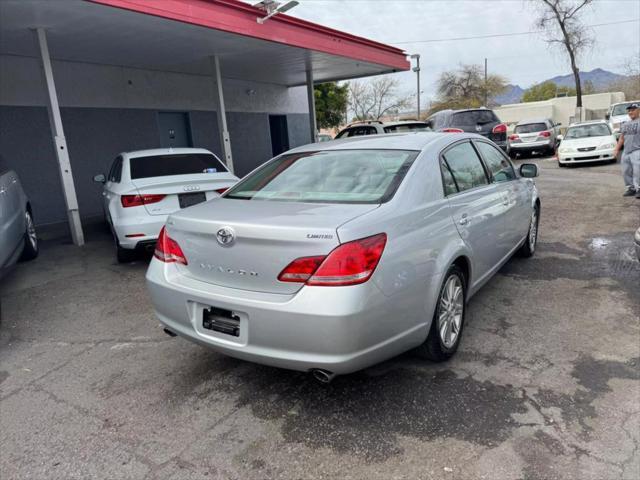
pixel 221 190
pixel 168 250
pixel 500 128
pixel 137 200
pixel 452 130
pixel 514 137
pixel 351 263
pixel 544 134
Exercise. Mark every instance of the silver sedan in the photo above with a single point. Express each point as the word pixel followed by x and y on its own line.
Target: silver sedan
pixel 335 256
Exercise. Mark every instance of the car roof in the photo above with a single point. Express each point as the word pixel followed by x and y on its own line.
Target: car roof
pixel 625 103
pixel 403 122
pixel 387 141
pixel 533 120
pixel 163 151
pixel 589 122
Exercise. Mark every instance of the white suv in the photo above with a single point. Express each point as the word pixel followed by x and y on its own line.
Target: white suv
pixel 617 114
pixel 144 187
pixel 375 127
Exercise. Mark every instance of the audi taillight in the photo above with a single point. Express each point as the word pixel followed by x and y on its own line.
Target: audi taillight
pixel 167 249
pixel 351 263
pixel 544 134
pixel 500 128
pixel 514 137
pixel 138 200
pixel 452 130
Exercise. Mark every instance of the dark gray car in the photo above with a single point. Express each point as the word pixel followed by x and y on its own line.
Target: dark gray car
pixel 473 120
pixel 18 238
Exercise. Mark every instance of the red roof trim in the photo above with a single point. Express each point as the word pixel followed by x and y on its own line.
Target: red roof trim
pixel 237 17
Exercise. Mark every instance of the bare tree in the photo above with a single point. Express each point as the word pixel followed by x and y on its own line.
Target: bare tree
pixel 371 100
pixel 561 22
pixel 630 84
pixel 466 88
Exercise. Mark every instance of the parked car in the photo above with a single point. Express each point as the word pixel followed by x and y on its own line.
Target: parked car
pixel 335 257
pixel 586 142
pixel 375 127
pixel 473 120
pixel 142 188
pixel 617 114
pixel 537 135
pixel 18 238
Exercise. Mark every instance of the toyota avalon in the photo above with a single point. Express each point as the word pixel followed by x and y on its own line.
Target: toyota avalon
pixel 337 255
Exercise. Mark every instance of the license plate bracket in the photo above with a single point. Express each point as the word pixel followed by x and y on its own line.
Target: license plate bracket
pixel 188 199
pixel 221 320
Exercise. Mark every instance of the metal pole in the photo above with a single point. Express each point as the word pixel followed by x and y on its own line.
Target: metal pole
pixel 417 70
pixel 225 140
pixel 59 141
pixel 311 98
pixel 485 83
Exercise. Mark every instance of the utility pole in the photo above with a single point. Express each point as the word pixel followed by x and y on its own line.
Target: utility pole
pixel 417 70
pixel 485 83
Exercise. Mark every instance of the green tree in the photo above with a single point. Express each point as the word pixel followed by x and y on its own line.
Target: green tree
pixel 548 89
pixel 331 104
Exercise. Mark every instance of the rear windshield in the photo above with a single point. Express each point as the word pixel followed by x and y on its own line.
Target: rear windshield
pixel 620 109
pixel 583 131
pixel 530 128
pixel 473 117
pixel 408 127
pixel 174 164
pixel 336 176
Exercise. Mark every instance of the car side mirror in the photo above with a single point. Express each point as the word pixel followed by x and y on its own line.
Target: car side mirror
pixel 100 178
pixel 607 116
pixel 528 170
pixel 558 124
pixel 560 137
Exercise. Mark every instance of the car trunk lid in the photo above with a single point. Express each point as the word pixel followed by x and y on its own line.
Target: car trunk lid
pixel 267 236
pixel 181 191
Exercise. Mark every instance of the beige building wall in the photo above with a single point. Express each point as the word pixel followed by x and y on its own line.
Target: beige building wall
pixel 560 110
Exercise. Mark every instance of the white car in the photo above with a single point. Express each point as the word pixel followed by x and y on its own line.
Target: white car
pixel 618 114
pixel 144 187
pixel 587 142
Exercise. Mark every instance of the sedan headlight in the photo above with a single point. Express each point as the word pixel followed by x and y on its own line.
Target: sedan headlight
pixel 607 146
pixel 566 150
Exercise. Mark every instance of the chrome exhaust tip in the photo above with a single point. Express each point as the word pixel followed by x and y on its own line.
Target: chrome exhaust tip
pixel 323 376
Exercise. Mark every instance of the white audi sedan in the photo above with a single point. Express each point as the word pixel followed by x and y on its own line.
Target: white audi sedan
pixel 145 186
pixel 587 142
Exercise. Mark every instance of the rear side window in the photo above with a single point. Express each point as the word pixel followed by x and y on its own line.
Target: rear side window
pixel 356 132
pixel 531 128
pixel 465 167
pixel 331 176
pixel 500 168
pixel 174 164
pixel 473 117
pixel 115 174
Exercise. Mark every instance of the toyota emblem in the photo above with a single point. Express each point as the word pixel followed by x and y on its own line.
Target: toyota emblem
pixel 225 236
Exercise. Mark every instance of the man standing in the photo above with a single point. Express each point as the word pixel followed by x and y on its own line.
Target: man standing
pixel 630 140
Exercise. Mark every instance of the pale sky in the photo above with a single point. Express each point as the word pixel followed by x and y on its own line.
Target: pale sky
pixel 523 59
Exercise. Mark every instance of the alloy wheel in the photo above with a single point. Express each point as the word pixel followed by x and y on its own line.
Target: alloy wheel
pixel 533 230
pixel 31 231
pixel 451 311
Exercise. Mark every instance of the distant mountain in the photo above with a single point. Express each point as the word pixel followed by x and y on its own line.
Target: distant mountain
pixel 598 77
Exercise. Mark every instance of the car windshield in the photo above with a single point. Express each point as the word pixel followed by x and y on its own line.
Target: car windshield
pixel 584 131
pixel 473 117
pixel 333 176
pixel 407 127
pixel 174 164
pixel 620 109
pixel 530 128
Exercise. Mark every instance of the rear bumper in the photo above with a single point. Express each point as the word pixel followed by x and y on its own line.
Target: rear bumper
pixel 531 145
pixel 586 157
pixel 144 228
pixel 339 329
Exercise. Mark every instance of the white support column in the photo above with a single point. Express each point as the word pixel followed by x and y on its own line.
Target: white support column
pixel 59 141
pixel 225 141
pixel 311 98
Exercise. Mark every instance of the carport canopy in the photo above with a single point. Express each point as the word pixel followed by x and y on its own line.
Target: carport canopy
pixel 221 38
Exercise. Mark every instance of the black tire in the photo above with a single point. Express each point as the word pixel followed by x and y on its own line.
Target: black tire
pixel 434 347
pixel 529 246
pixel 512 155
pixel 125 255
pixel 562 165
pixel 30 250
